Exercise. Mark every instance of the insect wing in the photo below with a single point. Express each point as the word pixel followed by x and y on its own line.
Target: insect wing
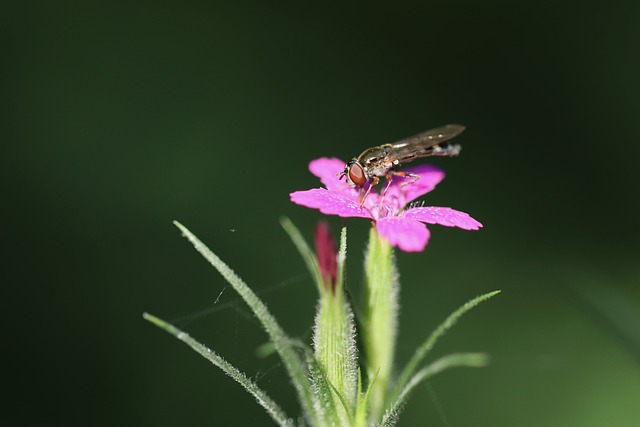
pixel 422 144
pixel 431 137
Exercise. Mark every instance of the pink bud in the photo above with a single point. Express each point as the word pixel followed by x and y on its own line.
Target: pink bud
pixel 327 254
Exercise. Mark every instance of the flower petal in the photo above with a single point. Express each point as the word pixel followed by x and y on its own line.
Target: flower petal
pixel 443 216
pixel 430 176
pixel 329 203
pixel 327 169
pixel 407 234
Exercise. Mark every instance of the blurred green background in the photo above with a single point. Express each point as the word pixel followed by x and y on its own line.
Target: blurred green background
pixel 121 117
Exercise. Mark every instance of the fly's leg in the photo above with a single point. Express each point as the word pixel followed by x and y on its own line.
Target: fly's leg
pixel 371 184
pixel 412 177
pixel 386 187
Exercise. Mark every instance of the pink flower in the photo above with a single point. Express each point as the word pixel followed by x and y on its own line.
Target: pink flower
pixel 401 227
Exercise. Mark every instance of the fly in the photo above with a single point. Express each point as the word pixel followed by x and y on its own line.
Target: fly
pixel 379 161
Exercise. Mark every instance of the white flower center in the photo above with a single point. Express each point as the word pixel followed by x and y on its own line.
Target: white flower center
pixel 390 206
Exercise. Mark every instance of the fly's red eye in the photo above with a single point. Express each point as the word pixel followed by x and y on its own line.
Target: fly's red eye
pixel 356 175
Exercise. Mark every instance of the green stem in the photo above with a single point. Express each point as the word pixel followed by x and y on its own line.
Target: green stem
pixel 380 318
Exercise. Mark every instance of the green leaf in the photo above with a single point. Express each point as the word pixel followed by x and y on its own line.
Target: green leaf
pixel 342 260
pixel 308 256
pixel 263 399
pixel 471 360
pixel 422 351
pixel 363 401
pixel 345 405
pixel 265 350
pixel 292 361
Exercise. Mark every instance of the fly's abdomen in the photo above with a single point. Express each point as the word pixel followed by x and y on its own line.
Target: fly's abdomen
pixel 444 149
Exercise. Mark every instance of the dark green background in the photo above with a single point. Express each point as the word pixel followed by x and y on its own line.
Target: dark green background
pixel 121 117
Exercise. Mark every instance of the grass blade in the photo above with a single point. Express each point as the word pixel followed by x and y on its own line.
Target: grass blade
pixel 263 399
pixel 422 351
pixel 308 256
pixel 342 260
pixel 363 401
pixel 292 361
pixel 472 360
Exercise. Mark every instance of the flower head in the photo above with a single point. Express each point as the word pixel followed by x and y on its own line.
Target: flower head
pixel 404 228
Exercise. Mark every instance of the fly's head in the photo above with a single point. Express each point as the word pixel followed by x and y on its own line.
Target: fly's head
pixel 355 174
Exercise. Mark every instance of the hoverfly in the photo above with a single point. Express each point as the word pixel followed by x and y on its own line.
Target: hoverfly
pixel 379 161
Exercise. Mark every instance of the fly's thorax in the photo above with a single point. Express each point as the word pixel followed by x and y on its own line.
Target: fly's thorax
pixel 376 160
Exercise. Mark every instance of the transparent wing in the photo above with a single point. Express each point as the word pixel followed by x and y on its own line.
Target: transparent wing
pixel 431 137
pixel 430 143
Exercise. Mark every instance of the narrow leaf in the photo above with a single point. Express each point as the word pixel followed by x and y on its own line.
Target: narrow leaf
pixel 471 360
pixel 345 405
pixel 292 361
pixel 342 259
pixel 263 399
pixel 360 414
pixel 361 405
pixel 308 256
pixel 422 351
